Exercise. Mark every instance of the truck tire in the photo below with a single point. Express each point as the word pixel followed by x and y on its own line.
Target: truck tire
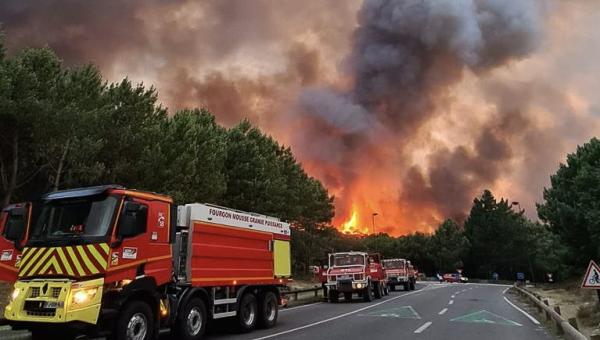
pixel 348 297
pixel 268 310
pixel 386 290
pixel 406 286
pixel 247 313
pixel 135 322
pixel 393 288
pixel 377 290
pixel 367 293
pixel 191 323
pixel 412 285
pixel 333 296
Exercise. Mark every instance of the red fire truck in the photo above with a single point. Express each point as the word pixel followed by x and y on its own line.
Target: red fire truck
pixel 129 263
pixel 399 272
pixel 355 272
pixel 14 224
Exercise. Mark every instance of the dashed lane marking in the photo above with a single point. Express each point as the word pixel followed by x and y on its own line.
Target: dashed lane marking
pixel 424 327
pixel 443 311
pixel 451 302
pixel 522 311
pixel 504 291
pixel 342 315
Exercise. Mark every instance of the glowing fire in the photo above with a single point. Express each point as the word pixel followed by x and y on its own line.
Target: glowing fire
pixel 351 225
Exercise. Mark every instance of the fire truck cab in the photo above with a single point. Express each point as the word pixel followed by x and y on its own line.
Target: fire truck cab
pixel 355 272
pixel 125 263
pixel 399 272
pixel 14 226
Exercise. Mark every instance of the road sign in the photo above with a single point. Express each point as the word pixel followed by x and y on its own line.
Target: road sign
pixel 484 316
pixel 520 276
pixel 591 279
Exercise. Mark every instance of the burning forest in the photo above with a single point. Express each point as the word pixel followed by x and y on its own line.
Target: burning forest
pixel 404 109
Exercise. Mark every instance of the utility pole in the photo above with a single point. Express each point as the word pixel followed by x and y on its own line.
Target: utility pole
pixel 373 216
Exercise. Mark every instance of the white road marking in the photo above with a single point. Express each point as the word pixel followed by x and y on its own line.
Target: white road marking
pixel 341 315
pixel 443 311
pixel 453 296
pixel 504 291
pixel 292 308
pixel 451 302
pixel 424 327
pixel 522 311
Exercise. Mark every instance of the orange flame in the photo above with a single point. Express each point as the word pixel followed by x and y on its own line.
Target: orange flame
pixel 351 225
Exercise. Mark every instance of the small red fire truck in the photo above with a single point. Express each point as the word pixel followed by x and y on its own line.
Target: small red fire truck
pixel 14 224
pixel 128 263
pixel 355 272
pixel 399 272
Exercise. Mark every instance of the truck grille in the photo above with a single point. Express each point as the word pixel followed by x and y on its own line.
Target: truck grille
pixel 56 292
pixel 34 292
pixel 36 308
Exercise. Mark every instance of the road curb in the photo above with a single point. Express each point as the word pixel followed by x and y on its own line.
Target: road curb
pixel 569 331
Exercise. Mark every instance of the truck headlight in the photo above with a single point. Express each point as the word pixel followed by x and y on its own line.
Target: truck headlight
pixel 15 294
pixel 359 285
pixel 84 296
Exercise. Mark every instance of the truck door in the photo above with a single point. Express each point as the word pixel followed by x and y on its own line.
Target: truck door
pixel 14 225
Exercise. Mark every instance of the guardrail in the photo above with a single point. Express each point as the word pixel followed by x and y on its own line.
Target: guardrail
pixel 299 291
pixel 562 325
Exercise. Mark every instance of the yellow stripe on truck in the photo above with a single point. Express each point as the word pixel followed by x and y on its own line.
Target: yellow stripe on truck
pixel 76 263
pixel 42 259
pixel 97 256
pixel 87 261
pixel 36 252
pixel 63 259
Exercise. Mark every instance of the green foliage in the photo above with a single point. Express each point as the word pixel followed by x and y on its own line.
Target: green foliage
pixel 571 205
pixel 63 127
pixel 449 246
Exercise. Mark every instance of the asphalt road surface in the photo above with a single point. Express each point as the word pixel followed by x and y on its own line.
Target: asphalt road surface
pixel 433 311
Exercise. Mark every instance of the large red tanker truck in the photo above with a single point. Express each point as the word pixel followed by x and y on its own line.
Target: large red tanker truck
pixel 129 263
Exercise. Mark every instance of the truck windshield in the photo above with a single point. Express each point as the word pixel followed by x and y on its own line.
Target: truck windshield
pixel 79 218
pixel 394 264
pixel 348 260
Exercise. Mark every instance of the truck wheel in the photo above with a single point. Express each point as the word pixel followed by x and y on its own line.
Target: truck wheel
pixel 348 297
pixel 268 310
pixel 191 324
pixel 333 296
pixel 367 293
pixel 412 285
pixel 386 290
pixel 247 313
pixel 135 322
pixel 377 290
pixel 406 286
pixel 393 288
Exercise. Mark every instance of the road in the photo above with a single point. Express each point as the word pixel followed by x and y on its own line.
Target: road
pixel 433 311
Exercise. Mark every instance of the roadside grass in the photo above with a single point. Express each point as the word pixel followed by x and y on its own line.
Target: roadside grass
pixel 574 302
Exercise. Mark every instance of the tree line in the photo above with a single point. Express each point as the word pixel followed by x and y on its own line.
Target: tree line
pixel 64 127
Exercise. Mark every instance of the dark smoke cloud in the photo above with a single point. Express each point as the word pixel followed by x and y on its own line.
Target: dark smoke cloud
pixel 354 86
pixel 405 57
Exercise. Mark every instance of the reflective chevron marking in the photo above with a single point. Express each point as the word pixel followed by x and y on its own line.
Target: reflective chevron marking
pixel 81 260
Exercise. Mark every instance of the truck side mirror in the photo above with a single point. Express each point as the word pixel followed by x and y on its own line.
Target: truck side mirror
pixel 133 219
pixel 15 225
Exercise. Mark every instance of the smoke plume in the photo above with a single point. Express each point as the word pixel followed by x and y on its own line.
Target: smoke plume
pixel 407 108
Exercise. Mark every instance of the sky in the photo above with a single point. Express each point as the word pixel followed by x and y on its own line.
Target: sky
pixel 404 108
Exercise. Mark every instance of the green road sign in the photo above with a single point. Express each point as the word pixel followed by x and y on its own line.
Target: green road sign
pixel 486 317
pixel 404 312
